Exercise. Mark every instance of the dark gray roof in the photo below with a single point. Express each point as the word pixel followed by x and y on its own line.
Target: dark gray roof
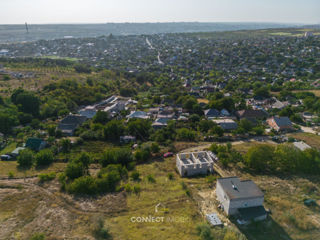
pixel 282 121
pixel 74 120
pixel 243 189
pixel 212 113
pixel 250 113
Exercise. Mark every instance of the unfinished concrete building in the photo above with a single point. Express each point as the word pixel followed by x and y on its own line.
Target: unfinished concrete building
pixel 195 163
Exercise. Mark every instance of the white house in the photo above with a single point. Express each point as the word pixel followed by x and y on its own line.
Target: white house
pixel 242 198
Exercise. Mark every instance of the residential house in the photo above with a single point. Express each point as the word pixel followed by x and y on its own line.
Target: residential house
pixel 88 112
pixel 242 198
pixel 15 153
pixel 251 115
pixel 127 139
pixel 138 114
pixel 280 123
pixel 212 113
pixel 70 123
pixel 35 144
pixel 115 108
pixel 308 117
pixel 225 113
pixel 226 124
pixel 160 123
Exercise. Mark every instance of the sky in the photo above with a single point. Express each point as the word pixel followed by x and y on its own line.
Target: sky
pixel 102 11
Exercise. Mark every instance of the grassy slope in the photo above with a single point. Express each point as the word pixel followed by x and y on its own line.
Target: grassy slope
pixel 165 191
pixel 311 139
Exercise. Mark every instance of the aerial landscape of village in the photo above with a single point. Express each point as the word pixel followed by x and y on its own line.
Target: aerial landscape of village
pixel 144 130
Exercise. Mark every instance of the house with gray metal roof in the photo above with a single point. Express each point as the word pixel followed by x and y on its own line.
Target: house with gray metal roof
pixel 241 197
pixel 280 123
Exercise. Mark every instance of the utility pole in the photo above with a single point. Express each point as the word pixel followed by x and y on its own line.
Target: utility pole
pixel 27 27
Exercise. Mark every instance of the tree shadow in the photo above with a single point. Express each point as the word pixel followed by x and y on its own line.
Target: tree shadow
pixel 264 230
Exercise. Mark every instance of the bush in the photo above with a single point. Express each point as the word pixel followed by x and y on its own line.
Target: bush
pixel 108 182
pixel 128 188
pixel 83 185
pixel 82 68
pixel 204 232
pixel 25 158
pixel 99 231
pixel 136 189
pixel 121 156
pixel 11 174
pixel 211 179
pixel 65 145
pixel 155 147
pixel 135 176
pixel 142 155
pixel 230 236
pixel 170 176
pixel 45 177
pixel 74 170
pixel 184 134
pixel 44 157
pixel 38 236
pixel 151 178
pixel 183 185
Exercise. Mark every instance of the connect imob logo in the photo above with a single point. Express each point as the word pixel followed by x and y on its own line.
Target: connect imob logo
pixel 161 215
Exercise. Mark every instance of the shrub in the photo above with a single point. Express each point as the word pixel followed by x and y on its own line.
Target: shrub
pixel 44 157
pixel 121 156
pixel 211 179
pixel 45 177
pixel 128 188
pixel 155 147
pixel 142 155
pixel 99 231
pixel 183 185
pixel 83 185
pixel 151 178
pixel 38 236
pixel 74 170
pixel 184 134
pixel 108 182
pixel 25 158
pixel 170 176
pixel 135 176
pixel 230 236
pixel 65 145
pixel 136 189
pixel 11 174
pixel 204 232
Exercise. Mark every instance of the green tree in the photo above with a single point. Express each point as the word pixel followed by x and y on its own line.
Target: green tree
pixel 44 157
pixel 260 158
pixel 25 158
pixel 27 102
pixel 7 122
pixel 185 134
pixel 113 130
pixel 65 145
pixel 217 131
pixel 101 117
pixel 121 156
pixel 83 185
pixel 139 128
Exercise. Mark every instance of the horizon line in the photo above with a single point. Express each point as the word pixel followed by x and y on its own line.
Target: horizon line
pixel 163 22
